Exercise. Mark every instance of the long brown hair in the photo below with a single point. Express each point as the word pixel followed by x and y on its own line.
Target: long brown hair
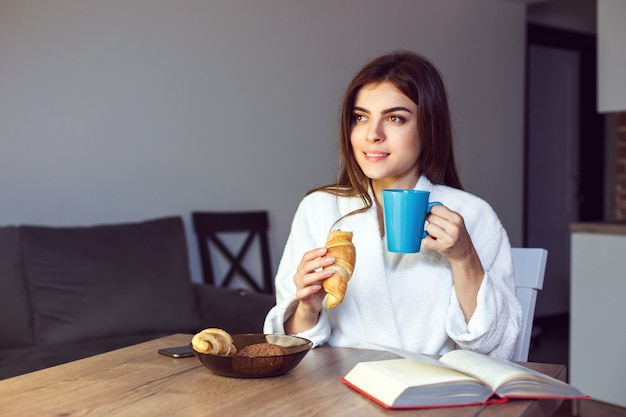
pixel 420 81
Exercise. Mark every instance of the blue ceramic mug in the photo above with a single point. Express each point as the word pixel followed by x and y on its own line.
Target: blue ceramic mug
pixel 405 214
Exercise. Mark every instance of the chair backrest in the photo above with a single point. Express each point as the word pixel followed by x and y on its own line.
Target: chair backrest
pixel 213 230
pixel 530 268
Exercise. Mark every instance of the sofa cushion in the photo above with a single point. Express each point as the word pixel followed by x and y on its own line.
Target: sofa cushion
pixel 108 280
pixel 236 311
pixel 15 362
pixel 16 319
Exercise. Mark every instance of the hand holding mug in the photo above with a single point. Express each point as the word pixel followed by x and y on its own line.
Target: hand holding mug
pixel 448 235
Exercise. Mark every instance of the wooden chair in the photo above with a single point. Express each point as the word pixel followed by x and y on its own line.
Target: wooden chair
pixel 530 268
pixel 213 229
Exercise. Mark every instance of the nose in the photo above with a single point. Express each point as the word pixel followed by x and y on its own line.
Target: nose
pixel 375 132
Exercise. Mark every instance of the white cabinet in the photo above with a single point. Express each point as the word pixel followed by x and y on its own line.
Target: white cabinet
pixel 597 362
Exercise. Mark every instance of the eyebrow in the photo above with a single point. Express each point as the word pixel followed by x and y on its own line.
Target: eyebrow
pixel 386 111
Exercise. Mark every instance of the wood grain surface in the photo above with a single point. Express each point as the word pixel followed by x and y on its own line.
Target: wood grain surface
pixel 137 381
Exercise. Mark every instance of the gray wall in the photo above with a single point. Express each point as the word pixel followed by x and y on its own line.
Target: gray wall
pixel 123 110
pixel 574 15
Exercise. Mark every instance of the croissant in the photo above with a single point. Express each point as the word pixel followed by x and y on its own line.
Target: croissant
pixel 339 245
pixel 214 341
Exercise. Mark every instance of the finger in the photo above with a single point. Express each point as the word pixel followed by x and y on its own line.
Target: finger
pixel 316 277
pixel 305 265
pixel 442 211
pixel 319 263
pixel 439 238
pixel 307 292
pixel 314 253
pixel 434 230
pixel 451 224
pixel 445 218
pixel 315 259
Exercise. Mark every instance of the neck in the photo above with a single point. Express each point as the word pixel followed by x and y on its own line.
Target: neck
pixel 387 184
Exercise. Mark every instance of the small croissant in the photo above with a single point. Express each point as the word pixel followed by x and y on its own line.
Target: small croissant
pixel 214 341
pixel 340 246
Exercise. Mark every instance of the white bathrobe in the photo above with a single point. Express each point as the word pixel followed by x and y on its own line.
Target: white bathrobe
pixel 404 300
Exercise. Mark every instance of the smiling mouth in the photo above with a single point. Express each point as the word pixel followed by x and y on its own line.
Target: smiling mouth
pixel 376 155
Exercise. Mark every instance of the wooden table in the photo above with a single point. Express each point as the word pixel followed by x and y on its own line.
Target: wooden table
pixel 137 381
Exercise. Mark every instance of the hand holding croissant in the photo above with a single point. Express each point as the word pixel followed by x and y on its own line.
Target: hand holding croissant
pixel 340 246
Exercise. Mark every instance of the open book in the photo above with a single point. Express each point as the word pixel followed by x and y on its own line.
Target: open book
pixel 459 377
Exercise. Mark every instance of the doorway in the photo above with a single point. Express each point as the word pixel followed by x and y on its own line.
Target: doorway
pixel 564 152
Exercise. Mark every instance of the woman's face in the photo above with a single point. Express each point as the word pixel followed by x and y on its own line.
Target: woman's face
pixel 384 136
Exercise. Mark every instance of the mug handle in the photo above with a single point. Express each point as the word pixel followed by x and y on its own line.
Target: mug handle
pixel 430 206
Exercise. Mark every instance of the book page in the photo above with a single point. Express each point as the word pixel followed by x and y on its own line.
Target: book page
pixel 509 379
pixel 424 383
pixel 492 371
pixel 414 355
pixel 411 373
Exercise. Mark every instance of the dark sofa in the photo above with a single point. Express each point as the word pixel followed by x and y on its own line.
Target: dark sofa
pixel 71 292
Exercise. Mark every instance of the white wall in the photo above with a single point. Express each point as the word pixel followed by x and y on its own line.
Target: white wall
pixel 123 110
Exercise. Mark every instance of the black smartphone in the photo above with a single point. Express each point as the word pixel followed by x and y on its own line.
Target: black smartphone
pixel 177 352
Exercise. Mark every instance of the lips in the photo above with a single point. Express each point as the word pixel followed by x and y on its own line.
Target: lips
pixel 375 156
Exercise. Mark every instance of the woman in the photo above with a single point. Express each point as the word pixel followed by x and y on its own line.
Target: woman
pixel 458 291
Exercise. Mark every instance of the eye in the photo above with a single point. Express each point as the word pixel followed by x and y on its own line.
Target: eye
pixel 394 118
pixel 359 118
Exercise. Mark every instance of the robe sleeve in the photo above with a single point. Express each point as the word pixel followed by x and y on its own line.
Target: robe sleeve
pixel 495 325
pixel 304 236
